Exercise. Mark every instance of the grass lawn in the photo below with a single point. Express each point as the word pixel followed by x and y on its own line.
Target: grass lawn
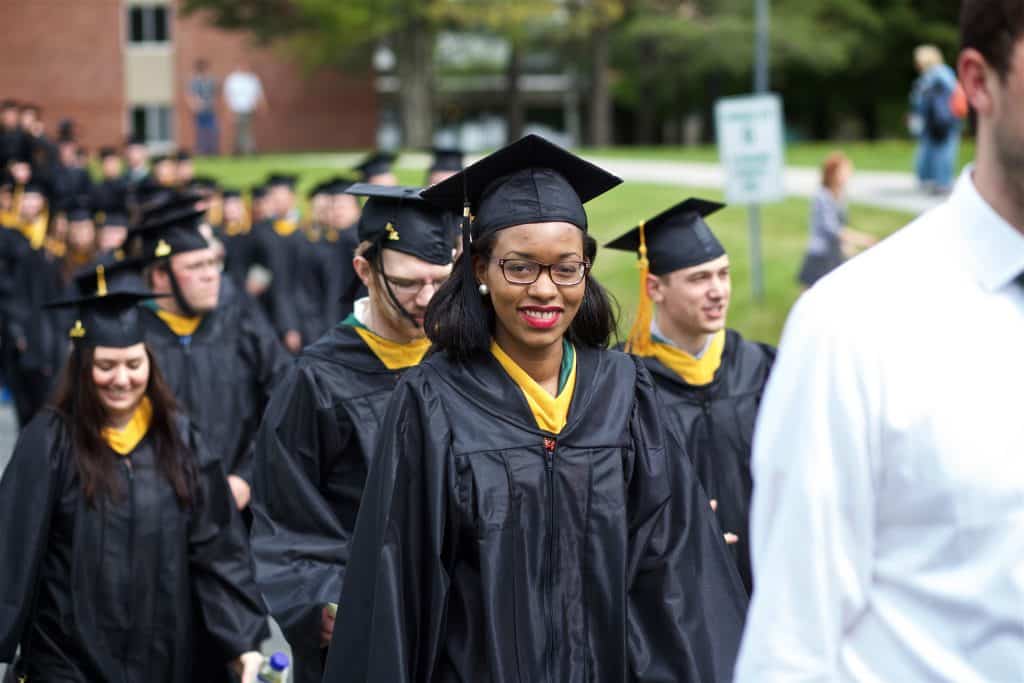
pixel 784 233
pixel 884 155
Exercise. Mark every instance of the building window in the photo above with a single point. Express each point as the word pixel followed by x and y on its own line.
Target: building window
pixel 152 122
pixel 148 24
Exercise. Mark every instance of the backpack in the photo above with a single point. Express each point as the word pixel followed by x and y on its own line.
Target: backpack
pixel 939 119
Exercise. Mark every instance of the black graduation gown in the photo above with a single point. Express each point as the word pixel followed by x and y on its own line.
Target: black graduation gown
pixel 312 285
pixel 488 550
pixel 350 286
pixel 106 593
pixel 110 196
pixel 312 454
pixel 717 423
pixel 222 376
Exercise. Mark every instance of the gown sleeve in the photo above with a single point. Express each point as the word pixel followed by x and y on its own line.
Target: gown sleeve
pixel 392 608
pixel 231 607
pixel 28 493
pixel 686 601
pixel 299 546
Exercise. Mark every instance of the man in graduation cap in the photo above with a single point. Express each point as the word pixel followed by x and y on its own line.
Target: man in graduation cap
pixel 110 194
pixel 221 359
pixel 709 377
pixel 447 162
pixel 316 443
pixel 136 156
pixel 376 169
pixel 342 239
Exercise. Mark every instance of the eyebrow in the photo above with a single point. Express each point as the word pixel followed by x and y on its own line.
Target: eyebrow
pixel 526 255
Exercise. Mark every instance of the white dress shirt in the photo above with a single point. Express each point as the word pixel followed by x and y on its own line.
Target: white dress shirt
pixel 887 526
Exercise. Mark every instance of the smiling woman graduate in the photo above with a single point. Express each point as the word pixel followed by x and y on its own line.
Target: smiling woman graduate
pixel 118 533
pixel 525 518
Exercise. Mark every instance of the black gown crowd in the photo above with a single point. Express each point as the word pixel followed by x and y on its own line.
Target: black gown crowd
pixel 407 508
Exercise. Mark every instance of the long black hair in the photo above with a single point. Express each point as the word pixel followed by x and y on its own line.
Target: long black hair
pixel 460 321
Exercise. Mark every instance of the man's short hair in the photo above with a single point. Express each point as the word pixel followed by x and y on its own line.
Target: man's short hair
pixel 992 27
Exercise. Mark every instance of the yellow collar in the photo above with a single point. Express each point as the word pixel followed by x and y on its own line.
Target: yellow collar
pixel 285 227
pixel 550 412
pixel 181 325
pixel 124 441
pixel 236 228
pixel 694 371
pixel 394 355
pixel 35 232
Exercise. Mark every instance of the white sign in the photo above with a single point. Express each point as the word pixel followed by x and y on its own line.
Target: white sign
pixel 750 146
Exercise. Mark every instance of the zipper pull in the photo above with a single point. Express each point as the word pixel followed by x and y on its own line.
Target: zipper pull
pixel 549 444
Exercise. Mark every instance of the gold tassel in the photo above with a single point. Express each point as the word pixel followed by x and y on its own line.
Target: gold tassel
pixel 639 340
pixel 101 281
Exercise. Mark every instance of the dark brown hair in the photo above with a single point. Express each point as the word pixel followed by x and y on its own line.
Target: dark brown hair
pixel 992 27
pixel 77 400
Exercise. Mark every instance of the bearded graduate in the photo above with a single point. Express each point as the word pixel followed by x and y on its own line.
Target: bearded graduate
pixel 525 518
pixel 318 436
pixel 118 531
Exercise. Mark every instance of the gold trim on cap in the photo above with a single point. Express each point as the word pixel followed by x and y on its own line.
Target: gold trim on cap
pixel 77 332
pixel 392 233
pixel 162 249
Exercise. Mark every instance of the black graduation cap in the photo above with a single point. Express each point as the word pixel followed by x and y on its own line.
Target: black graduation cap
pixel 278 179
pixel 377 163
pixel 135 139
pixel 170 227
pixel 397 218
pixel 78 210
pixel 446 159
pixel 160 158
pixel 676 238
pixel 118 272
pixel 115 218
pixel 339 185
pixel 204 182
pixel 107 152
pixel 258 191
pixel 319 188
pixel 183 155
pixel 529 181
pixel 106 316
pixel 230 193
pixel 35 186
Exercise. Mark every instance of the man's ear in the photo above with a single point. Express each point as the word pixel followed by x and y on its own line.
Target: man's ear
pixel 978 80
pixel 363 269
pixel 655 289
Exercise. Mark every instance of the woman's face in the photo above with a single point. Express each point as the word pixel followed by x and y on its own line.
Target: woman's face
pixel 121 376
pixel 81 235
pixel 533 316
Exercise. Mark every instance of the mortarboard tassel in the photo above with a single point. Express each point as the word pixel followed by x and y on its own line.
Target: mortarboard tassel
pixel 639 340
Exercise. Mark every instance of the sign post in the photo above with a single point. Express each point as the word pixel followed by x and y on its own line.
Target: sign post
pixel 750 146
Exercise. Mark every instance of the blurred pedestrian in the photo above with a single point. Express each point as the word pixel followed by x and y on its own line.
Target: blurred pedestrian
pixel 202 100
pixel 934 121
pixel 244 94
pixel 831 240
pixel 888 516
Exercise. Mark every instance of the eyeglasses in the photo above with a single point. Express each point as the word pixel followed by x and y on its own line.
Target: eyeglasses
pixel 208 264
pixel 525 272
pixel 410 287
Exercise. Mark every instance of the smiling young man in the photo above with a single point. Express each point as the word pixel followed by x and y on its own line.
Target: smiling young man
pixel 318 436
pixel 222 360
pixel 710 379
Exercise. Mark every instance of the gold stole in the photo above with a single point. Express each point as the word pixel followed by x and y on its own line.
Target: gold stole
pixel 550 412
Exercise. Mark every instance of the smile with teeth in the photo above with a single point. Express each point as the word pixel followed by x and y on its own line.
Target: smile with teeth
pixel 540 317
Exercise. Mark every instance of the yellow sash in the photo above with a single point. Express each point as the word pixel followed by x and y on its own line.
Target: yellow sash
pixel 550 412
pixel 35 232
pixel 181 325
pixel 392 354
pixel 694 371
pixel 124 441
pixel 285 227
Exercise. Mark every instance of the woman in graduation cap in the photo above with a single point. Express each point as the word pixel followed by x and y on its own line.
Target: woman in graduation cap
pixel 116 521
pixel 525 518
pixel 319 432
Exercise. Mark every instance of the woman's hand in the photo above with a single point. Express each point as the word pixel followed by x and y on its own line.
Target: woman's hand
pixel 327 625
pixel 240 491
pixel 247 666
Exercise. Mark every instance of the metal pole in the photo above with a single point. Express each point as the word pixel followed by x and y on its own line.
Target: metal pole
pixel 761 44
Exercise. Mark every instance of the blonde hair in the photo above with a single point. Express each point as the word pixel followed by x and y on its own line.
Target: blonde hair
pixel 927 56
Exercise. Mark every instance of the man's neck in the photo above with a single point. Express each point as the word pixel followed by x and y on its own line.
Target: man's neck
pixel 167 303
pixel 692 343
pixel 542 364
pixel 382 326
pixel 1003 191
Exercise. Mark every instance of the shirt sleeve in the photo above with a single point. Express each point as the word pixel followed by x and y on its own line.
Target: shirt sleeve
pixel 826 216
pixel 813 510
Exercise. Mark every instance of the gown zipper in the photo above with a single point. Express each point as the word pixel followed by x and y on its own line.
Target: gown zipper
pixel 550 444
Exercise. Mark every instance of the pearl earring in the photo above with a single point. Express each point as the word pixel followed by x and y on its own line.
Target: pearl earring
pixel 483 289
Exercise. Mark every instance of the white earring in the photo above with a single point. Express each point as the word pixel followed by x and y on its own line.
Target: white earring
pixel 483 289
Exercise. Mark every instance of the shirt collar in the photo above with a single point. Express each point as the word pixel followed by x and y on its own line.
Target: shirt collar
pixel 994 247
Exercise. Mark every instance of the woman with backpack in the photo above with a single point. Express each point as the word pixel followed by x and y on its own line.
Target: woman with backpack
pixel 935 120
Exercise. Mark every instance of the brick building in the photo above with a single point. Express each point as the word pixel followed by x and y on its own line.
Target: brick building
pixel 122 66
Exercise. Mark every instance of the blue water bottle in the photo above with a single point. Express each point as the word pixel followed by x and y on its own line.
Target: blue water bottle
pixel 275 669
